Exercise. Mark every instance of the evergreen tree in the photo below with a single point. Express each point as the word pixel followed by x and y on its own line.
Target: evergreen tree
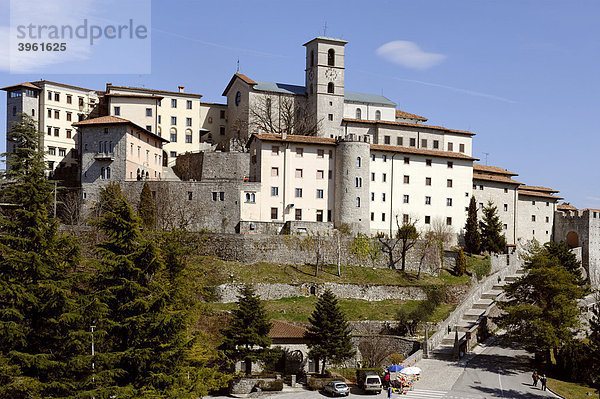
pixel 38 316
pixel 472 236
pixel 542 312
pixel 492 239
pixel 566 258
pixel 594 343
pixel 461 263
pixel 146 208
pixel 329 332
pixel 247 336
pixel 142 333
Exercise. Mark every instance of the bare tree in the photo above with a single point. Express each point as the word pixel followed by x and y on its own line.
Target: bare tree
pixel 70 208
pixel 339 235
pixel 283 114
pixel 427 251
pixel 364 247
pixel 316 243
pixel 442 234
pixel 403 241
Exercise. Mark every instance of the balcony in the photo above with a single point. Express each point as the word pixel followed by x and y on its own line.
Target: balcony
pixel 104 156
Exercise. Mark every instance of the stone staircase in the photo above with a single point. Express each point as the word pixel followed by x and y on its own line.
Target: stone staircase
pixel 472 317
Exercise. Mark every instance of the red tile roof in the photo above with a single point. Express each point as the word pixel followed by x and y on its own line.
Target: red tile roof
pixel 406 124
pixel 281 329
pixel 538 188
pixel 493 177
pixel 293 138
pixel 25 84
pixel 566 207
pixel 133 95
pixel 492 169
pixel 420 151
pixel 42 82
pixel 176 93
pixel 114 120
pixel 537 194
pixel 244 78
pixel 589 209
pixel 408 115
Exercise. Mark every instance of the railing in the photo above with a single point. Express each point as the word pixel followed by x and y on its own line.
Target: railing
pixel 104 156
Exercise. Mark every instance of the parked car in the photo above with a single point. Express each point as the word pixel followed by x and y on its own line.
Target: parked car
pixel 337 388
pixel 369 381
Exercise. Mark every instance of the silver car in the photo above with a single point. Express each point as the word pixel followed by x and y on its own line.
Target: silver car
pixel 337 388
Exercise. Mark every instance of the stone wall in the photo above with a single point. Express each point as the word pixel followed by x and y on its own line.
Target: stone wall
pixel 228 293
pixel 212 166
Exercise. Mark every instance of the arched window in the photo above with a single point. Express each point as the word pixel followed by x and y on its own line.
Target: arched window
pixel 108 172
pixel 102 173
pixel 159 132
pixel 138 176
pixel 377 115
pixel 331 57
pixel 147 175
pixel 312 58
pixel 358 162
pixel 330 87
pixel 358 113
pixel 110 147
pixel 358 202
pixel 358 182
pixel 173 137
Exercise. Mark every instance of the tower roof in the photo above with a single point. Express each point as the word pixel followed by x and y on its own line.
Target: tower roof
pixel 327 39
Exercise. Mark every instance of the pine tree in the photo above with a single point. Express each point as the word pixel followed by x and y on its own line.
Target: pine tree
pixel 492 239
pixel 461 263
pixel 38 315
pixel 566 258
pixel 472 236
pixel 247 336
pixel 329 332
pixel 594 343
pixel 146 208
pixel 142 333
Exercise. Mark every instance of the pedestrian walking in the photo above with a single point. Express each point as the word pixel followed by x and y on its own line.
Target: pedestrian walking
pixel 390 390
pixel 386 380
pixel 535 376
pixel 543 380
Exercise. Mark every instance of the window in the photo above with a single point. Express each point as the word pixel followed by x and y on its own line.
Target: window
pixel 378 116
pixel 427 219
pixel 405 198
pixel 56 96
pixel 148 111
pixel 173 120
pixel 298 193
pixel 273 213
pixel 222 196
pixel 358 202
pixel 56 114
pixel 149 128
pixel 450 147
pixel 372 176
pixel 298 215
pixel 320 153
pixel 372 196
pixel 372 157
pixel 405 218
pixel 117 111
pixel 427 200
pixel 461 148
pixel 188 121
pixel 384 158
pixel 358 182
pixel 533 218
pixel 69 133
pixel 331 57
pixel 505 190
pixel 51 150
pixel 406 160
pixel 320 174
pixel 505 207
pixel 173 135
pixel 547 219
pixel 330 117
pixel 329 174
pixel 449 183
pixel 159 119
pixel 190 196
pixel 320 215
pixel 69 116
pixel 188 136
pixel 102 173
pixel 56 131
pixel 173 103
pixel 386 139
pixel 413 142
pixel 481 186
pixel 547 203
pixel 383 217
pixel 436 144
pixel 274 171
pixel 49 94
pixel 532 202
pixel 428 181
pixel 274 191
pixel 299 151
pixel 423 143
pixel 319 193
pixel 428 162
pixel 69 99
pixel 399 140
pixel 275 150
pixel 448 221
pixel 504 226
pixel 222 113
pixel 481 205
pixel 384 177
pixel 330 87
pixel 299 173
pixel 372 216
pixel 383 197
pixel 80 101
pixel 450 164
pixel 358 113
pixel 448 201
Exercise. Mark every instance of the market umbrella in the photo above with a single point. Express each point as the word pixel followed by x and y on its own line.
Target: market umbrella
pixel 395 367
pixel 410 371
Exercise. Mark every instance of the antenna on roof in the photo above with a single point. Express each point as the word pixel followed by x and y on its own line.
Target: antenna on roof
pixel 238 65
pixel 325 29
pixel 486 156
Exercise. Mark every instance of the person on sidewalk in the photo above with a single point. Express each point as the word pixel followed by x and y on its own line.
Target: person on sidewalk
pixel 389 392
pixel 543 380
pixel 386 380
pixel 535 377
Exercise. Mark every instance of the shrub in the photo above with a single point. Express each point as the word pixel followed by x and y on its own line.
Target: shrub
pixel 270 385
pixel 461 263
pixel 482 267
pixel 396 358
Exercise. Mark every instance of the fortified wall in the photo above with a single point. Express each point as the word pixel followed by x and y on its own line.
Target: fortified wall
pixel 582 232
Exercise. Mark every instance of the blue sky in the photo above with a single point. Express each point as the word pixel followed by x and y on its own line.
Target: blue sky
pixel 523 75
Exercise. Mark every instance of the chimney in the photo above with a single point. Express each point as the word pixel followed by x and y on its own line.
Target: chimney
pixel 181 89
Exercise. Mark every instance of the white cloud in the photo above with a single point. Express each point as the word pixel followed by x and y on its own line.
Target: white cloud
pixel 409 54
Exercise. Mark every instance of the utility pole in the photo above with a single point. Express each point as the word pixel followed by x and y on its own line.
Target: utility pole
pixel 486 156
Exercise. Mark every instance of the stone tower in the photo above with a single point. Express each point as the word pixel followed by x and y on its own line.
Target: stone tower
pixel 352 184
pixel 325 83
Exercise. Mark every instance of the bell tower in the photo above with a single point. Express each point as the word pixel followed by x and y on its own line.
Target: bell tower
pixel 325 83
